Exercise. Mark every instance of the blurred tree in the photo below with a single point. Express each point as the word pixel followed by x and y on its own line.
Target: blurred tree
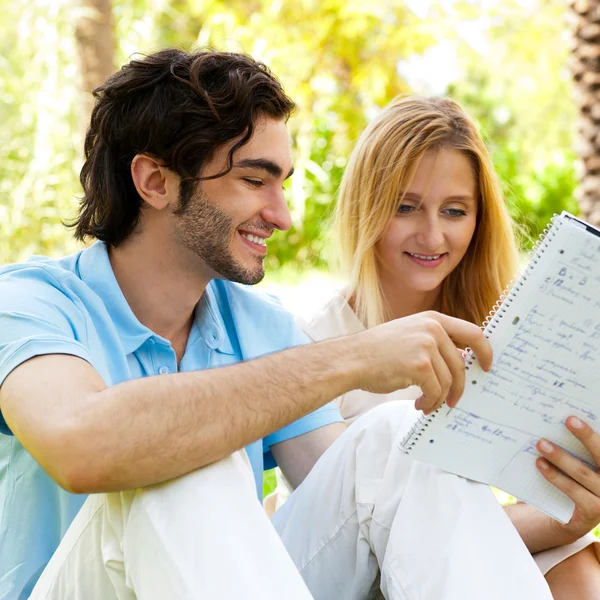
pixel 96 45
pixel 341 60
pixel 585 67
pixel 338 59
pixel 40 139
pixel 518 88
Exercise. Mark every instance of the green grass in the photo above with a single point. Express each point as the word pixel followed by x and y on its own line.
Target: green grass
pixel 269 482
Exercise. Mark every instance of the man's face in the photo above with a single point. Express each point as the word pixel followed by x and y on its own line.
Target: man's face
pixel 227 221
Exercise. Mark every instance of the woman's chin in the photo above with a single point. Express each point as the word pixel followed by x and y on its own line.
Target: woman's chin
pixel 425 286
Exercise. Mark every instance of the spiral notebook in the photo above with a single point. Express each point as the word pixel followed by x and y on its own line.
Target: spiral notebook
pixel 545 334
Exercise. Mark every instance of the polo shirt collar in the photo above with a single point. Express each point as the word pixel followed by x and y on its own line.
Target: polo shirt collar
pixel 210 323
pixel 96 271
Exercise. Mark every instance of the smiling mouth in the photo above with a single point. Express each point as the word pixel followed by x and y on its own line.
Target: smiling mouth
pixel 427 260
pixel 257 244
pixel 255 239
pixel 425 256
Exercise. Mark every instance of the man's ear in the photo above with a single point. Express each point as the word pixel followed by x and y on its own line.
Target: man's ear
pixel 156 185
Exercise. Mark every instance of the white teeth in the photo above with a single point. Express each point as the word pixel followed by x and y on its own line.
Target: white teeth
pixel 423 257
pixel 254 238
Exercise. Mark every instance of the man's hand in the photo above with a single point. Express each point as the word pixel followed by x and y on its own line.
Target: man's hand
pixel 421 350
pixel 575 479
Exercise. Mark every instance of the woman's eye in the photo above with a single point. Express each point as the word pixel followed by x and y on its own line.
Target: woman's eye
pixel 456 212
pixel 406 208
pixel 254 182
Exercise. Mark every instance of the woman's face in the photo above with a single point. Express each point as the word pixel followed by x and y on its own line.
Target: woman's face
pixel 433 226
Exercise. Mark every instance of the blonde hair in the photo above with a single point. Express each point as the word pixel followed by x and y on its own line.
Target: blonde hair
pixel 383 165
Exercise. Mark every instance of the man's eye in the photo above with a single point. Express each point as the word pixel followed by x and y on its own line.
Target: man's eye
pixel 254 182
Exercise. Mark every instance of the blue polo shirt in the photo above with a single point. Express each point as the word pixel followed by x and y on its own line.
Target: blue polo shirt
pixel 75 306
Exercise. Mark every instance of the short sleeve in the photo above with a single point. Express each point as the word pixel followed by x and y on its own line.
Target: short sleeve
pixel 36 317
pixel 319 418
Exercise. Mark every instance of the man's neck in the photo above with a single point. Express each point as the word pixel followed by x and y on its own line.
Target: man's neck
pixel 160 288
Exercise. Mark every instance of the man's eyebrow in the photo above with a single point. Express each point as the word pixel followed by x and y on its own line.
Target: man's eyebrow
pixel 262 164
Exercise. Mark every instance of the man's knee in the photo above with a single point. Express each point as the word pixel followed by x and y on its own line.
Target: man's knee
pixel 388 419
pixel 230 474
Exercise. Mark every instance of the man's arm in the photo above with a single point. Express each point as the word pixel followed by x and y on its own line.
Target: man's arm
pixel 90 438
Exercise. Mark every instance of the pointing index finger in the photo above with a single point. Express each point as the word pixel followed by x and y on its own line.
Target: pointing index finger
pixel 468 334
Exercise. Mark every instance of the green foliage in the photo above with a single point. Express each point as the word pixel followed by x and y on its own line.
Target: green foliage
pixel 519 92
pixel 269 482
pixel 338 59
pixel 39 139
pixel 535 196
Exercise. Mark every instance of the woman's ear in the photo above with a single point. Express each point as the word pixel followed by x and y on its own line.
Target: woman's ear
pixel 156 185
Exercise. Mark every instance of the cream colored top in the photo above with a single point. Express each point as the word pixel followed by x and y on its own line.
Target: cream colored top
pixel 337 319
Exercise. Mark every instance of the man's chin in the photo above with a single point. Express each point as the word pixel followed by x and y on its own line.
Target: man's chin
pixel 253 275
pixel 245 277
pixel 255 278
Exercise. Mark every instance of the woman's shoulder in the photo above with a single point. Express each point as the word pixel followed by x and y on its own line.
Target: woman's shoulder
pixel 334 318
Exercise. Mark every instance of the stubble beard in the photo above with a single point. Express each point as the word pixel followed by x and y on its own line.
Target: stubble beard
pixel 207 231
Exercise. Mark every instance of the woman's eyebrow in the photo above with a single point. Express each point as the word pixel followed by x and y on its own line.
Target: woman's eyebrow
pixel 418 197
pixel 410 196
pixel 461 197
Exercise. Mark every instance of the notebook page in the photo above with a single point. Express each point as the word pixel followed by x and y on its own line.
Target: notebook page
pixel 546 343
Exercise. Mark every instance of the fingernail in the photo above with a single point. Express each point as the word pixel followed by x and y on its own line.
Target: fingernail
pixel 576 423
pixel 545 446
pixel 419 402
pixel 542 464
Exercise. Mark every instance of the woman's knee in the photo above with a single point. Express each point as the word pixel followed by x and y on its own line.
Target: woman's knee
pixel 576 577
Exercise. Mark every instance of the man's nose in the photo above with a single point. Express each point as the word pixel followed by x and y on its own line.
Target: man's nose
pixel 277 212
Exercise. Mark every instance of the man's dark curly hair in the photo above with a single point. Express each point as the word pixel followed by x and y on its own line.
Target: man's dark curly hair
pixel 178 107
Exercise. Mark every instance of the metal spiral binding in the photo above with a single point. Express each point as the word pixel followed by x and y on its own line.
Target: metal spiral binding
pixel 416 431
pixel 489 324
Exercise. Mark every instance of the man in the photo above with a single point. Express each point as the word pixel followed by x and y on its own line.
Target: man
pixel 129 371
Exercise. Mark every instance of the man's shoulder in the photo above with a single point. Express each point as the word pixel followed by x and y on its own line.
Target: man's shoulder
pixel 40 269
pixel 41 282
pixel 261 322
pixel 250 298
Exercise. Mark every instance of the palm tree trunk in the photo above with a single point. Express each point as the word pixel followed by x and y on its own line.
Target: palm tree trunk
pixel 585 68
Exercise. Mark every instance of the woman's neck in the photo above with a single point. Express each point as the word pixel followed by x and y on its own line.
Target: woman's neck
pixel 403 303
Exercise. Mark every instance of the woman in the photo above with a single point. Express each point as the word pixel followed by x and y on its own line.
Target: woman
pixel 422 225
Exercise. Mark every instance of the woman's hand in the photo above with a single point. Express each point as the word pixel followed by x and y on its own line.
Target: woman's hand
pixel 574 478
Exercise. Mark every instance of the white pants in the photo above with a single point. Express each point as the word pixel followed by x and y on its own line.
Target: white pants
pixel 366 517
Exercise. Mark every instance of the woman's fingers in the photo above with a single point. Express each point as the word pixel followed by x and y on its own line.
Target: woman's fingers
pixel 577 480
pixel 587 504
pixel 571 466
pixel 587 436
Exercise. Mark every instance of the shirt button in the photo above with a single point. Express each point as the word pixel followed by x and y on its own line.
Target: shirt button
pixel 163 370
